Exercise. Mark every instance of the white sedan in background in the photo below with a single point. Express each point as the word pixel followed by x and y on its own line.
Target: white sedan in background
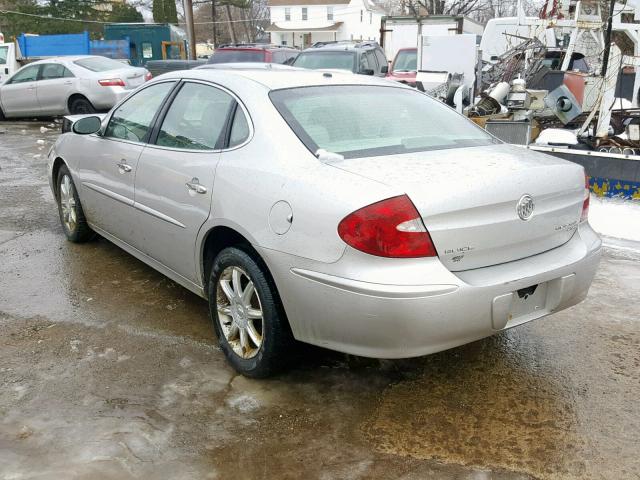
pixel 290 201
pixel 62 85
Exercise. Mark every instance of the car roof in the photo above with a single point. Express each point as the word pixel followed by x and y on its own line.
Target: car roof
pixel 66 58
pixel 280 78
pixel 253 46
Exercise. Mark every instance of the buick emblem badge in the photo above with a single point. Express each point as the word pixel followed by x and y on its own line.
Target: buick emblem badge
pixel 525 207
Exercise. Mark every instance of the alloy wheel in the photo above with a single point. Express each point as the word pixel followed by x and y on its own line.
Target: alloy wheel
pixel 68 203
pixel 240 312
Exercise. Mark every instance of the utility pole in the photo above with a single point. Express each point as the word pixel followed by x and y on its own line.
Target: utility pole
pixel 213 23
pixel 191 35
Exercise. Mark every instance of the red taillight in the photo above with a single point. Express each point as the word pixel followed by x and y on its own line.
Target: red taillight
pixel 147 76
pixel 112 82
pixel 390 228
pixel 585 204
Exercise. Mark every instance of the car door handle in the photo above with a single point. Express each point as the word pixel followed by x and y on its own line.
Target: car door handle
pixel 194 186
pixel 123 167
pixel 68 83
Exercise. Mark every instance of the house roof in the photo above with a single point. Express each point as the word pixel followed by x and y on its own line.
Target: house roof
pixel 287 3
pixel 334 27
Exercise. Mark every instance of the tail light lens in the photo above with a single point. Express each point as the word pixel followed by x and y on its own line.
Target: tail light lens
pixel 390 228
pixel 585 204
pixel 147 76
pixel 112 82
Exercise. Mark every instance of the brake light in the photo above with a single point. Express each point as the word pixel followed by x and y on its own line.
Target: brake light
pixel 148 76
pixel 112 82
pixel 585 204
pixel 390 228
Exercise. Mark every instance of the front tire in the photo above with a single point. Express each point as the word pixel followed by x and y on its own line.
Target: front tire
pixel 247 315
pixel 72 217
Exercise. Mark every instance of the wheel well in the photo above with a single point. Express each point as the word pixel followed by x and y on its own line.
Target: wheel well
pixel 217 240
pixel 57 163
pixel 73 97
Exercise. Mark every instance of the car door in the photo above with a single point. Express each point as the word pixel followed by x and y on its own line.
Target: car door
pixel 174 183
pixel 18 95
pixel 55 85
pixel 110 160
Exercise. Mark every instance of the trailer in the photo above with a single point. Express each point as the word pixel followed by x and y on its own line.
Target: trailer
pixel 405 31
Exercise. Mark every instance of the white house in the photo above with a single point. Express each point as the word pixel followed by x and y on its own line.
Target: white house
pixel 301 23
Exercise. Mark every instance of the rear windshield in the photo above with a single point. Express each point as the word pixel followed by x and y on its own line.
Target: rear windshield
pixel 406 61
pixel 233 56
pixel 323 60
pixel 363 120
pixel 4 51
pixel 99 64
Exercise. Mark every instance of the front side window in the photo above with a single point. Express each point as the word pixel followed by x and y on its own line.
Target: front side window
pixel 27 74
pixel 51 71
pixel 330 13
pixel 340 60
pixel 196 119
pixel 339 119
pixel 4 53
pixel 287 14
pixel 132 120
pixel 304 13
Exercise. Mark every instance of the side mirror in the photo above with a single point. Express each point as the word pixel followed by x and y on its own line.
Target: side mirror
pixel 366 71
pixel 87 125
pixel 384 69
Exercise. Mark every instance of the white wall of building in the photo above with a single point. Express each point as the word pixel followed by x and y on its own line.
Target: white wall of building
pixel 358 22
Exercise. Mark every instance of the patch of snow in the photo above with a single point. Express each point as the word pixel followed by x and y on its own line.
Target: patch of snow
pixel 614 217
pixel 40 142
pixel 43 129
pixel 557 136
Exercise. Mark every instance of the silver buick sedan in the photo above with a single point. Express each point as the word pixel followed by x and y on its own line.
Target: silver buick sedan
pixel 338 210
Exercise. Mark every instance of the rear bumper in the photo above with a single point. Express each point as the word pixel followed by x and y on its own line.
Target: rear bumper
pixel 105 98
pixel 352 307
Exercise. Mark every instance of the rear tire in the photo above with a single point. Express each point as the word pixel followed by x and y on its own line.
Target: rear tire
pixel 72 218
pixel 81 106
pixel 247 315
pixel 2 117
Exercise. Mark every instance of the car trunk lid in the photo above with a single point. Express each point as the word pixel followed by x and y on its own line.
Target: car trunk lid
pixel 468 200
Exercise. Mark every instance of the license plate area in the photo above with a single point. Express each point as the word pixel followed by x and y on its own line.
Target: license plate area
pixel 520 306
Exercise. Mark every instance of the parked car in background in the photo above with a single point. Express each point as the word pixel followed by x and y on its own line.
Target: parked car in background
pixel 254 52
pixel 282 198
pixel 62 85
pixel 405 66
pixel 366 58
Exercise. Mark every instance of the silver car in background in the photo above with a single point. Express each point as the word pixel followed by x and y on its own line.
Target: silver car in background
pixel 301 209
pixel 63 85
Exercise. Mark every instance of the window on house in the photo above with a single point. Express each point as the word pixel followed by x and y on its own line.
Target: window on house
pixel 304 13
pixel 360 16
pixel 287 14
pixel 329 13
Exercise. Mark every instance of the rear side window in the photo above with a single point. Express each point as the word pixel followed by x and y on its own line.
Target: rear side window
pixel 196 119
pixel 239 128
pixel 132 120
pixel 51 71
pixel 382 60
